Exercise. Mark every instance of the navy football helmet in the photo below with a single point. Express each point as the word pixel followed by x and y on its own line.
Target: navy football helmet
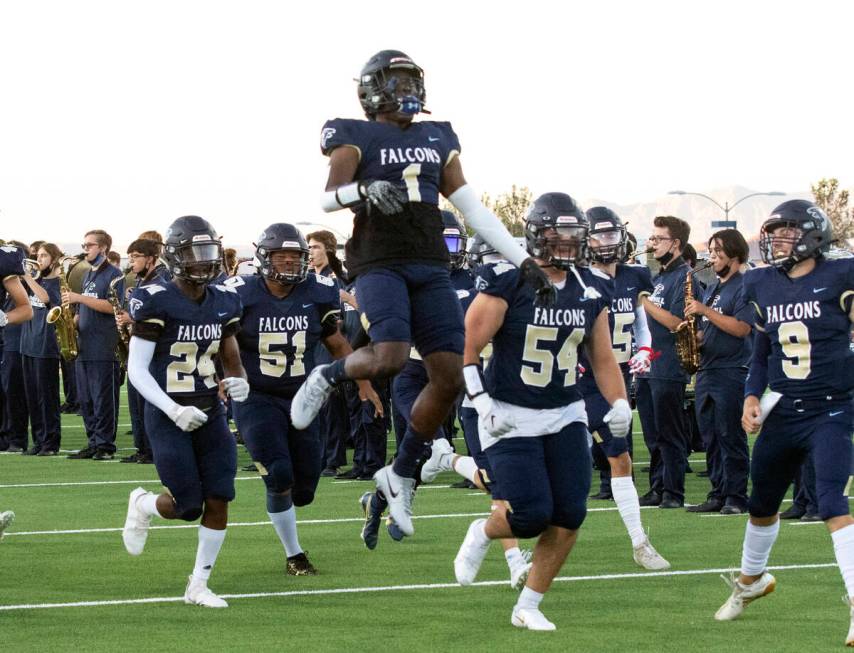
pixel 812 237
pixel 192 250
pixel 608 230
pixel 456 239
pixel 556 230
pixel 381 91
pixel 282 237
pixel 480 252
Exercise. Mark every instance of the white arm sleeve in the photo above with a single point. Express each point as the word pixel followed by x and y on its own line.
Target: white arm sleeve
pixel 139 358
pixel 643 338
pixel 341 197
pixel 482 220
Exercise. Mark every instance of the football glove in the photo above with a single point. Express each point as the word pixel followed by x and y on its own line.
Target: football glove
pixel 640 362
pixel 532 274
pixel 498 420
pixel 619 418
pixel 187 418
pixel 384 195
pixel 3 319
pixel 236 387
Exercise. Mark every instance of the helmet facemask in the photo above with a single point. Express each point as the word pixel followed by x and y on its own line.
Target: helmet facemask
pixel 284 270
pixel 607 246
pixel 455 241
pixel 398 88
pixel 561 245
pixel 775 238
pixel 196 262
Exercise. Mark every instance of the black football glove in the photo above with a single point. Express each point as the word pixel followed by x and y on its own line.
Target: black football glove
pixel 545 293
pixel 384 195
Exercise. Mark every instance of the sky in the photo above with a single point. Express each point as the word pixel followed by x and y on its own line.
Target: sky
pixel 125 115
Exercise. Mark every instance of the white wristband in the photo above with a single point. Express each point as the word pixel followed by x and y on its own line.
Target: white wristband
pixel 474 381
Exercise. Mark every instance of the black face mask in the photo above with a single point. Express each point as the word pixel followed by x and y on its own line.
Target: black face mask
pixel 664 260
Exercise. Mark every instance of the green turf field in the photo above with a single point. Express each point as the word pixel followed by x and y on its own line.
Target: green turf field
pixel 402 596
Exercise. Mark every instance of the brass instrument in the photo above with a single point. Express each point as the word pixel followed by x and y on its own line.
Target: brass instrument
pixel 123 344
pixel 32 266
pixel 637 255
pixel 62 316
pixel 687 349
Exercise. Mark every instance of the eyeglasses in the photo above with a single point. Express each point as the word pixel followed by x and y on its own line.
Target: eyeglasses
pixel 136 256
pixel 88 245
pixel 657 239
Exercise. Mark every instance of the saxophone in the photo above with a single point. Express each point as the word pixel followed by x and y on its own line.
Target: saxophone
pixel 123 344
pixel 687 350
pixel 62 316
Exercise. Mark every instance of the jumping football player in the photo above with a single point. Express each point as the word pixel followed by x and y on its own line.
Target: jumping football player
pixel 391 170
pixel 533 424
pixel 179 326
pixel 626 320
pixel 804 311
pixel 286 312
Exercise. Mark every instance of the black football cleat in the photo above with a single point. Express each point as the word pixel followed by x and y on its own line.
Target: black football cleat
pixel 299 565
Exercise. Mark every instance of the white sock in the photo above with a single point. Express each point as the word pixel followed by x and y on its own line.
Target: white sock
pixel 210 542
pixel 285 524
pixel 756 549
pixel 529 599
pixel 147 503
pixel 626 496
pixel 843 547
pixel 513 556
pixel 480 534
pixel 466 467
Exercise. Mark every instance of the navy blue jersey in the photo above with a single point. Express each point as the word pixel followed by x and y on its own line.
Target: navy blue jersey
pixel 807 322
pixel 718 348
pixel 413 159
pixel 321 353
pixel 187 334
pixel 535 352
pixel 278 336
pixel 38 338
pixel 11 265
pixel 625 289
pixel 668 293
pixel 97 335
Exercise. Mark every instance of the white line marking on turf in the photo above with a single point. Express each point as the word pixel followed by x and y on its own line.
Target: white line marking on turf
pixel 397 588
pixel 148 480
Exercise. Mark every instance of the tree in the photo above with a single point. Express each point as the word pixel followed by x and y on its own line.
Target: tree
pixel 510 208
pixel 834 203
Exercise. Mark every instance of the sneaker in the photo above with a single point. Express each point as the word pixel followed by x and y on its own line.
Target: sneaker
pixel 648 558
pixel 329 472
pixel 145 459
pixel 47 452
pixel 371 506
pixel 530 618
pixel 743 595
pixel 6 519
pixel 464 484
pixel 519 571
pixel 310 398
pixel 397 490
pixel 133 458
pixel 103 454
pixel 849 640
pixel 732 509
pixel 299 565
pixel 795 512
pixel 32 451
pixel 249 468
pixel 811 517
pixel 14 448
pixel 442 453
pixel 350 475
pixel 602 495
pixel 83 454
pixel 137 523
pixel 710 505
pixel 197 593
pixel 471 554
pixel 651 498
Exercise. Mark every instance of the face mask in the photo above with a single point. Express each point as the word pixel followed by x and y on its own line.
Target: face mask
pixel 664 260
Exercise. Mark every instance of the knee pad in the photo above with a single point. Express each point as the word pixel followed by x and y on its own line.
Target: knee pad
pixel 570 517
pixel 302 497
pixel 280 476
pixel 188 513
pixel 527 525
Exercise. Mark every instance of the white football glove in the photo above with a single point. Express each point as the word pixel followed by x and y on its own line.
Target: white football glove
pixel 3 319
pixel 236 387
pixel 640 363
pixel 498 420
pixel 619 418
pixel 187 418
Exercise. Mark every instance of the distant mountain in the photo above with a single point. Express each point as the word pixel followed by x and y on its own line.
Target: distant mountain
pixel 699 212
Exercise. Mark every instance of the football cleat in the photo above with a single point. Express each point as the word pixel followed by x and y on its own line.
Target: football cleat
pixel 519 571
pixel 743 595
pixel 648 558
pixel 6 519
pixel 398 491
pixel 309 399
pixel 530 618
pixel 137 523
pixel 299 565
pixel 849 641
pixel 471 554
pixel 197 593
pixel 373 516
pixel 394 531
pixel 442 453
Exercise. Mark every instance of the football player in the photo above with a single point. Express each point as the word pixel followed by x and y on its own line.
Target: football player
pixel 286 312
pixel 391 170
pixel 179 326
pixel 533 424
pixel 11 271
pixel 626 320
pixel 804 310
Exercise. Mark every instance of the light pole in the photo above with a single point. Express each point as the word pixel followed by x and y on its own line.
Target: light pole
pixel 726 223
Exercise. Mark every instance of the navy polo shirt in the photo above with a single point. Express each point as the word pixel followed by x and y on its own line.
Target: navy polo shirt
pixel 38 338
pixel 720 349
pixel 97 336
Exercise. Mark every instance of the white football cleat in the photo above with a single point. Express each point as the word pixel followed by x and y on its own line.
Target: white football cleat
pixel 743 595
pixel 398 493
pixel 6 519
pixel 197 593
pixel 471 554
pixel 519 571
pixel 530 618
pixel 137 523
pixel 648 558
pixel 849 641
pixel 309 399
pixel 440 460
